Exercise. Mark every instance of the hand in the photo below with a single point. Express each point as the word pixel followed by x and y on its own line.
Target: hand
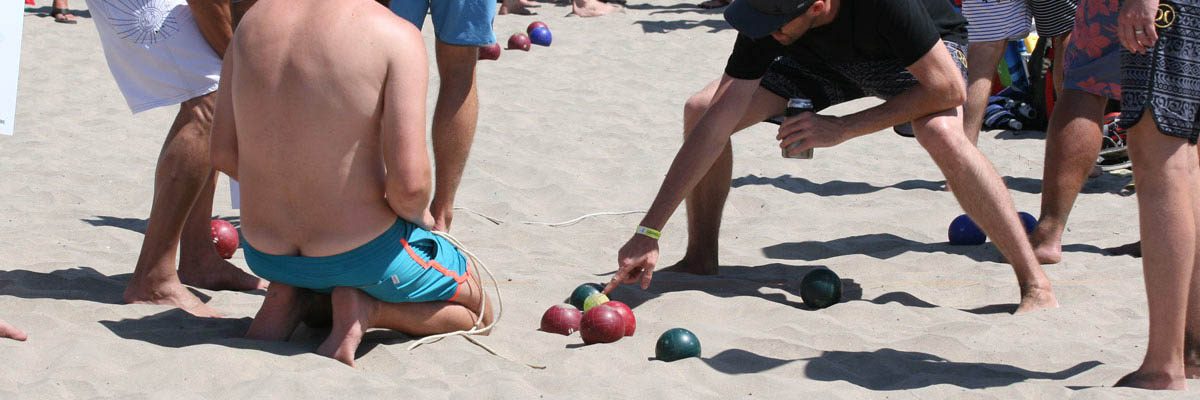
pixel 428 223
pixel 635 262
pixel 1135 26
pixel 809 130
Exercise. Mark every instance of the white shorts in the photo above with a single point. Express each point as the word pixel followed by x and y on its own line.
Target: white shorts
pixel 155 51
pixel 992 20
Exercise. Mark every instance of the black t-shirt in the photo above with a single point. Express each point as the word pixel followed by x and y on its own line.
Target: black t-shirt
pixel 863 30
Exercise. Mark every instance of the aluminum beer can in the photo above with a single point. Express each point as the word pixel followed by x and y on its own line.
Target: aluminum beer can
pixel 795 106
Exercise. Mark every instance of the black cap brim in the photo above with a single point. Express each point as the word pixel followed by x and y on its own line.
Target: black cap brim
pixel 751 22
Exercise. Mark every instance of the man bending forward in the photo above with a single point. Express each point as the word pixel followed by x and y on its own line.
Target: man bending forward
pixel 322 121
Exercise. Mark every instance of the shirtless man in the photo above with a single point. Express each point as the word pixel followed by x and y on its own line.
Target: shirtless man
pixel 818 49
pixel 328 142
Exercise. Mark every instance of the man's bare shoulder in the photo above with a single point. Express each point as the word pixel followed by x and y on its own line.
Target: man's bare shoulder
pixel 379 22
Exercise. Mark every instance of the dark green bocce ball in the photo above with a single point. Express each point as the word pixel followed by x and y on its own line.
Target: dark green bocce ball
pixel 677 344
pixel 821 288
pixel 582 292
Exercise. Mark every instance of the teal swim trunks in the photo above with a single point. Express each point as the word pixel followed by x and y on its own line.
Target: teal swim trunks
pixel 405 264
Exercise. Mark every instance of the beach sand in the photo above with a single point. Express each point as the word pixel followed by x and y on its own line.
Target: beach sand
pixel 587 125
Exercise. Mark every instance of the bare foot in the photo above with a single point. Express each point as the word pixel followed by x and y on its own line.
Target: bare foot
pixel 11 332
pixel 516 7
pixel 693 265
pixel 214 273
pixel 1152 381
pixel 282 310
pixel 1047 246
pixel 1034 299
pixel 353 314
pixel 168 293
pixel 593 8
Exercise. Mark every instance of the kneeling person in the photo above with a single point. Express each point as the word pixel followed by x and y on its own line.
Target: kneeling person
pixel 328 142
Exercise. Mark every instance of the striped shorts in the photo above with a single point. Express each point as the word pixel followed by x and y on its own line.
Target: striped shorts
pixel 992 20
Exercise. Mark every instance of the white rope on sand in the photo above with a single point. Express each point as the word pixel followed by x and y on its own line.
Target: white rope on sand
pixel 569 222
pixel 477 329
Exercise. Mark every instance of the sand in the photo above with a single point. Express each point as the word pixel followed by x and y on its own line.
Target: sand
pixel 587 125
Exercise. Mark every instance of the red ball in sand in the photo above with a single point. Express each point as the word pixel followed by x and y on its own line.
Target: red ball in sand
pixel 602 324
pixel 490 52
pixel 534 25
pixel 561 319
pixel 626 315
pixel 519 41
pixel 224 238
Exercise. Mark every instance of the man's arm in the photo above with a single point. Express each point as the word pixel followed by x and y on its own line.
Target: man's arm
pixel 223 147
pixel 940 87
pixel 402 128
pixel 701 148
pixel 215 21
pixel 638 257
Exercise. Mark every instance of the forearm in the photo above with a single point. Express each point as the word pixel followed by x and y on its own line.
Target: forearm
pixel 700 149
pixel 409 201
pixel 913 103
pixel 215 21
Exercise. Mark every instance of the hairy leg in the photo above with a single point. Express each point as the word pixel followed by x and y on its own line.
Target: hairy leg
pixel 982 58
pixel 984 197
pixel 11 332
pixel 1072 144
pixel 706 201
pixel 454 119
pixel 182 172
pixel 199 263
pixel 1167 199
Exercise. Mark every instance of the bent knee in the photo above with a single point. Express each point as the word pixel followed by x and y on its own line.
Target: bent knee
pixel 939 133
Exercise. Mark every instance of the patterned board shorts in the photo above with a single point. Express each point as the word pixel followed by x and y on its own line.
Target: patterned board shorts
pixel 1053 17
pixel 1093 56
pixel 827 84
pixel 1166 79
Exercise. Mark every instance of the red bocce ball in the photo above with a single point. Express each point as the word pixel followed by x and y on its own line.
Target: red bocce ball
pixel 561 319
pixel 602 324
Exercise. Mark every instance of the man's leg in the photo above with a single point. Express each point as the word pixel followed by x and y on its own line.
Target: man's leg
pixel 354 313
pixel 281 312
pixel 1072 144
pixel 11 332
pixel 182 172
pixel 199 263
pixel 707 200
pixel 982 58
pixel 983 195
pixel 454 120
pixel 1168 184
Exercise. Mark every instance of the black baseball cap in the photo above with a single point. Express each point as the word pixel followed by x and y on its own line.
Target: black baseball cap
pixel 758 18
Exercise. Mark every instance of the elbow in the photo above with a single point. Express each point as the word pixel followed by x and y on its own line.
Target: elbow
pixel 409 198
pixel 954 93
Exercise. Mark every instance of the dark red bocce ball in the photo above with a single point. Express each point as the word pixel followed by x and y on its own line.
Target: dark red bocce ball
pixel 626 315
pixel 224 237
pixel 602 324
pixel 561 319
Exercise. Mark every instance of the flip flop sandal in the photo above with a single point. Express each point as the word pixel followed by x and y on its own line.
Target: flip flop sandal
pixel 61 12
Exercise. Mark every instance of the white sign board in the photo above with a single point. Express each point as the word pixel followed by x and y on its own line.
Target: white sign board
pixel 12 16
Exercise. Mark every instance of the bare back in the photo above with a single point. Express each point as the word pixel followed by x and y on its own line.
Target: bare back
pixel 320 91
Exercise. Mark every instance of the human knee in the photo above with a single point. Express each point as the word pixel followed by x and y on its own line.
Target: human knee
pixel 696 106
pixel 939 134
